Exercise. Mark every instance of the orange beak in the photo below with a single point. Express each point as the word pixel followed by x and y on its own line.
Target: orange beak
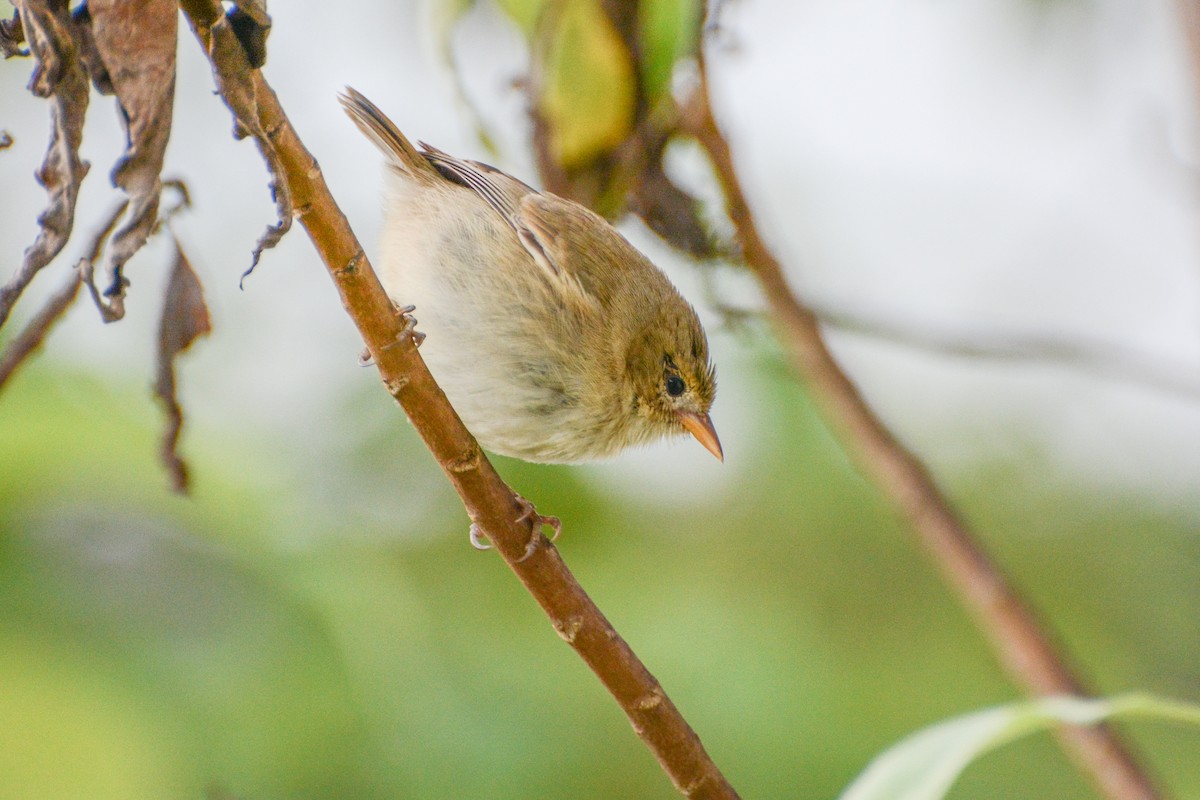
pixel 701 427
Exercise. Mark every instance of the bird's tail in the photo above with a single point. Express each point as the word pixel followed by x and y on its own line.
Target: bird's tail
pixel 384 134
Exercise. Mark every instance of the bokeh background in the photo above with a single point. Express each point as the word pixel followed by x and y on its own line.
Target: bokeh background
pixel 311 621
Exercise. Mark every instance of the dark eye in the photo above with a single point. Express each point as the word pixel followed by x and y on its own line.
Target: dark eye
pixel 675 385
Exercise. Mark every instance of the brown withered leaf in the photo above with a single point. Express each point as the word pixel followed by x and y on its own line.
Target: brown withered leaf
pixel 251 26
pixel 59 75
pixel 235 83
pixel 111 309
pixel 135 41
pixel 89 54
pixel 184 319
pixel 12 36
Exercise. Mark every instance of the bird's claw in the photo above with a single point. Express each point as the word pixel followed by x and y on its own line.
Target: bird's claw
pixel 410 325
pixel 477 537
pixel 409 332
pixel 528 513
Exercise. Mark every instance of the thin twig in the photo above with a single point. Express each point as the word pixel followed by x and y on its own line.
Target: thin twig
pixel 1108 359
pixel 1019 640
pixel 490 503
pixel 30 338
pixel 26 343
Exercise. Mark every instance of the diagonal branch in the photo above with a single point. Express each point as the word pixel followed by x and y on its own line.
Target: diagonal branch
pixel 491 504
pixel 1019 639
pixel 26 343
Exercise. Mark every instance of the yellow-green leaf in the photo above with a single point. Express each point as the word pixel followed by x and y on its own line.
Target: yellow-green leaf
pixel 926 764
pixel 668 30
pixel 588 91
pixel 523 12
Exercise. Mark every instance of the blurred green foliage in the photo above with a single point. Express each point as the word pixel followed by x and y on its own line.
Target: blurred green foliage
pixel 667 32
pixel 588 90
pixel 282 635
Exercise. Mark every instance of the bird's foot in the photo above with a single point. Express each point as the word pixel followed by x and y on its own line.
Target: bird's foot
pixel 478 537
pixel 410 332
pixel 410 325
pixel 528 513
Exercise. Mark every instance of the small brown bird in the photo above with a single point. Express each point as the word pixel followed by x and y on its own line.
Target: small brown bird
pixel 554 339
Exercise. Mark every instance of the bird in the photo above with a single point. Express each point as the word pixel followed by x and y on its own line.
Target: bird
pixel 554 339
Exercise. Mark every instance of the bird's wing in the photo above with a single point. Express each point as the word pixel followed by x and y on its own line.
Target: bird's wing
pixel 582 248
pixel 544 224
pixel 500 190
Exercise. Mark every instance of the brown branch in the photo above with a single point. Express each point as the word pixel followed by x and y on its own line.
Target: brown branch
pixel 1106 359
pixel 1021 643
pixel 490 503
pixel 26 343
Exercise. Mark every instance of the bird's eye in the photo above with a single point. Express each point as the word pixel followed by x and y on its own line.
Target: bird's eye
pixel 675 385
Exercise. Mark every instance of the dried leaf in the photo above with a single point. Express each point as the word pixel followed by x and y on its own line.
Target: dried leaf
pixel 59 75
pixel 184 319
pixel 251 26
pixel 135 41
pixel 255 10
pixel 182 203
pixel 12 36
pixel 110 309
pixel 235 83
pixel 89 54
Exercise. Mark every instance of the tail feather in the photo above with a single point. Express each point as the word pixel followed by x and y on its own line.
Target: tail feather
pixel 384 133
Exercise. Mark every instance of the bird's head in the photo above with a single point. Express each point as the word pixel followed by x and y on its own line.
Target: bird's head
pixel 670 378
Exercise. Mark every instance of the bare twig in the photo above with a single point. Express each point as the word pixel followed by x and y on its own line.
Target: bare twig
pixel 30 339
pixel 491 504
pixel 31 336
pixel 1019 640
pixel 1091 355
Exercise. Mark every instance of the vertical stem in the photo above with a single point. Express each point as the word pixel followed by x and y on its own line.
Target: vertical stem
pixel 1019 640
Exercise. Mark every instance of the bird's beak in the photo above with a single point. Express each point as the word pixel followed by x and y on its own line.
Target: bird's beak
pixel 701 426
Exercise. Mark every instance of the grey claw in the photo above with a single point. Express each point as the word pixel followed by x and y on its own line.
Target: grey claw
pixel 365 359
pixel 477 538
pixel 410 326
pixel 529 512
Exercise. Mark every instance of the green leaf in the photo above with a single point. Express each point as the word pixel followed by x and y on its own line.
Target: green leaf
pixel 668 31
pixel 523 12
pixel 589 90
pixel 926 764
